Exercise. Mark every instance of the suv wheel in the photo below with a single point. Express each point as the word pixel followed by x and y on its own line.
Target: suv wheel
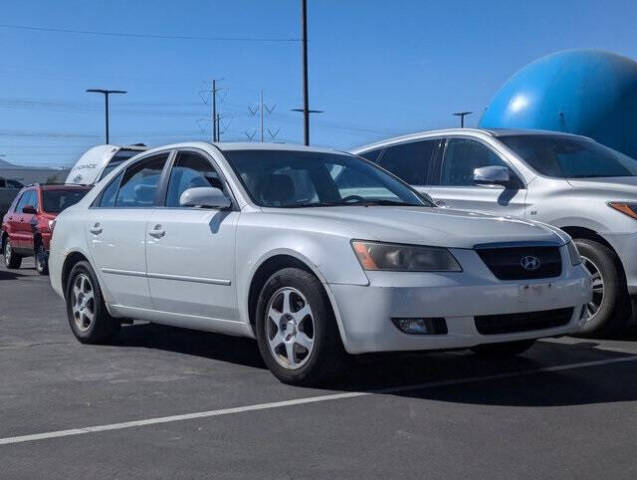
pixel 87 314
pixel 296 331
pixel 41 261
pixel 610 309
pixel 11 259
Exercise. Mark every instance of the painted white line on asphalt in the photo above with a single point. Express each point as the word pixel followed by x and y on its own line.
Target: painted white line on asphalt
pixel 303 401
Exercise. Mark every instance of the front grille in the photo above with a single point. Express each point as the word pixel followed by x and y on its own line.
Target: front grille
pixel 523 322
pixel 506 263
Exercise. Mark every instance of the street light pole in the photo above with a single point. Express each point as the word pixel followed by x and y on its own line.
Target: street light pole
pixel 462 115
pixel 106 93
pixel 306 101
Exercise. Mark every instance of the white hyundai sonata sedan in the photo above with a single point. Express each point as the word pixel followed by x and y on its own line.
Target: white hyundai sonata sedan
pixel 313 252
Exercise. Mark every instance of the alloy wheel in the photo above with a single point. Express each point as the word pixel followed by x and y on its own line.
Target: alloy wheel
pixel 83 302
pixel 290 328
pixel 598 288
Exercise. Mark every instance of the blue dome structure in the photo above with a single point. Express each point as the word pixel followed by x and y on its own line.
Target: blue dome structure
pixel 587 92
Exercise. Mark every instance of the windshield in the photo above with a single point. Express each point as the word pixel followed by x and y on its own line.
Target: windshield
pixel 54 201
pixel 308 179
pixel 570 157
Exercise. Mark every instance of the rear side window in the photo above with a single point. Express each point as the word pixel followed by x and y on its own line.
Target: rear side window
pixel 190 170
pixel 140 182
pixel 410 161
pixel 462 157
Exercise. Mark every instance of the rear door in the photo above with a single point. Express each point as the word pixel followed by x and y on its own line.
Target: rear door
pixel 190 251
pixel 116 230
pixel 453 184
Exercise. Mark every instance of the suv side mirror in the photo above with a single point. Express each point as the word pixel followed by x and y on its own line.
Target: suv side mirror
pixel 30 209
pixel 205 197
pixel 492 175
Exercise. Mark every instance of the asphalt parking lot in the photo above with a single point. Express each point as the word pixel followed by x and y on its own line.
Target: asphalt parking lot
pixel 169 403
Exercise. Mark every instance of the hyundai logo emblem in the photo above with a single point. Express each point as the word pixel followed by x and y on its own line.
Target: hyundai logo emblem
pixel 530 263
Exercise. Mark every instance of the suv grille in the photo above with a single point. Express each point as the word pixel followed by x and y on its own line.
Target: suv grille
pixel 507 263
pixel 523 322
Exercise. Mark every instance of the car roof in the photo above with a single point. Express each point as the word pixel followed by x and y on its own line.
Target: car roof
pixel 492 132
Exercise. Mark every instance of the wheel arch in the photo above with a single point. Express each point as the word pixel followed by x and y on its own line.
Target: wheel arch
pixel 271 263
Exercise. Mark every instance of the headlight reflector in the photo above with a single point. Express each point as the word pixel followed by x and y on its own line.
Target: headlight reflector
pixel 629 209
pixel 404 258
pixel 573 254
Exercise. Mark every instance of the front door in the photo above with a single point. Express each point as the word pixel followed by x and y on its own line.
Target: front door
pixel 190 251
pixel 116 230
pixel 21 222
pixel 454 187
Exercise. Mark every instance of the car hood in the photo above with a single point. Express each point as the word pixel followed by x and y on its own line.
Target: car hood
pixel 425 226
pixel 616 188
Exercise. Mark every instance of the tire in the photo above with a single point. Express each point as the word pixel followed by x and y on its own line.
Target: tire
pixel 11 259
pixel 41 260
pixel 295 320
pixel 89 320
pixel 503 350
pixel 610 309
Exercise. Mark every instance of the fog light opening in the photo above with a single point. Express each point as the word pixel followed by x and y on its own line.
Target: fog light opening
pixel 421 326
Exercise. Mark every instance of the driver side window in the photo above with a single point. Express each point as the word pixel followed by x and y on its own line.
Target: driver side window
pixel 462 157
pixel 190 170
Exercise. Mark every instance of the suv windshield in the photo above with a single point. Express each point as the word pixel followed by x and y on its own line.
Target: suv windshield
pixel 570 157
pixel 311 179
pixel 54 201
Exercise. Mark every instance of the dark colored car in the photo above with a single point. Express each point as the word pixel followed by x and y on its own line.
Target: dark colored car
pixel 28 225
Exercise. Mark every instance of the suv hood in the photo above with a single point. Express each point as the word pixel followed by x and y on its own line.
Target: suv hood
pixel 616 188
pixel 425 226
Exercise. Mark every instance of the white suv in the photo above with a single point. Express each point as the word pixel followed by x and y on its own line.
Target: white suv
pixel 313 252
pixel 572 182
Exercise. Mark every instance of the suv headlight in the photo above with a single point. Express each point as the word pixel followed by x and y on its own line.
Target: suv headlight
pixel 404 258
pixel 51 224
pixel 629 209
pixel 573 254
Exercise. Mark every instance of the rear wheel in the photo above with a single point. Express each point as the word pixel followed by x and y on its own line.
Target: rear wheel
pixel 87 314
pixel 296 330
pixel 41 260
pixel 502 350
pixel 610 309
pixel 11 259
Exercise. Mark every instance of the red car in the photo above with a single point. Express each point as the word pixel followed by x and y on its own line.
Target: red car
pixel 28 225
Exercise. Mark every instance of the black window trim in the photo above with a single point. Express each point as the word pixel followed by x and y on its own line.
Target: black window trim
pixel 519 179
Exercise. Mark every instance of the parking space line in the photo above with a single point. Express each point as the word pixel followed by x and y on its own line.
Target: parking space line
pixel 304 401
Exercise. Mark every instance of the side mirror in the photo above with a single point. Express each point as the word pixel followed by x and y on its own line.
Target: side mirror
pixel 30 209
pixel 205 197
pixel 493 175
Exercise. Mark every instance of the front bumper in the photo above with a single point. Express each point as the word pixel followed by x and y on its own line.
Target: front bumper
pixel 365 312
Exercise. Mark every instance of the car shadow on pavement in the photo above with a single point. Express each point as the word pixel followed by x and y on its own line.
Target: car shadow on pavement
pixel 10 275
pixel 528 380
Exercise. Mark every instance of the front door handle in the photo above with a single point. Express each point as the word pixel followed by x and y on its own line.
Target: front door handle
pixel 96 229
pixel 157 232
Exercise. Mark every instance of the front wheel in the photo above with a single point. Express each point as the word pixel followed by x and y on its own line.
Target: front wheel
pixel 11 259
pixel 503 350
pixel 609 309
pixel 296 331
pixel 89 320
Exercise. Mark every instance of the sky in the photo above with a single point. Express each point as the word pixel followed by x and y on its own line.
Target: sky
pixel 377 68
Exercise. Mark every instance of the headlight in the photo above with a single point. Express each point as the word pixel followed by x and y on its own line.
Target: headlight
pixel 573 254
pixel 629 209
pixel 51 224
pixel 404 258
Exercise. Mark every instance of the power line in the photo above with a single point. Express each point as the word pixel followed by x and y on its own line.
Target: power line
pixel 149 35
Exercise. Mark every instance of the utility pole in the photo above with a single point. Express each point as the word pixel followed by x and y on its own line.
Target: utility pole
pixel 261 111
pixel 262 108
pixel 218 127
pixel 214 110
pixel 106 93
pixel 461 115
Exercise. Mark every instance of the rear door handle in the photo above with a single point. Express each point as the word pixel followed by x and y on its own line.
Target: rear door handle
pixel 157 232
pixel 96 229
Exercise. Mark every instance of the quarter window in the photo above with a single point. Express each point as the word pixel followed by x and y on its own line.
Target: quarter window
pixel 191 170
pixel 140 182
pixel 462 157
pixel 410 161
